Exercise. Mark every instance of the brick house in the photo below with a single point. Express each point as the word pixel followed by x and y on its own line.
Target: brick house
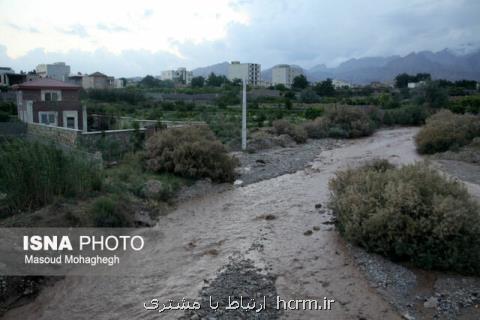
pixel 50 102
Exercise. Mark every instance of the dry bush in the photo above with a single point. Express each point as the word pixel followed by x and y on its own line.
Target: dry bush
pixel 296 132
pixel 410 214
pixel 446 131
pixel 317 129
pixel 342 122
pixel 192 152
pixel 350 122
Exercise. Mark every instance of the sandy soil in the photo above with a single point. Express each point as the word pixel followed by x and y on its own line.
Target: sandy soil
pixel 278 225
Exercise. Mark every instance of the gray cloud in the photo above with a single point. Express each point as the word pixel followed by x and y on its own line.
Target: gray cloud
pixel 76 30
pixel 24 29
pixel 128 63
pixel 111 28
pixel 298 32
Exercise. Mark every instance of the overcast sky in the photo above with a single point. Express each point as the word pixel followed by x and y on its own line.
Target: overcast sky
pixel 135 38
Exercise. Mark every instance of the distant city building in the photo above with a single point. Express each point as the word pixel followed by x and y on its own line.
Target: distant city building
pixel 58 71
pixel 181 74
pixel 97 80
pixel 119 83
pixel 4 75
pixel 50 102
pixel 341 84
pixel 76 80
pixel 248 71
pixel 413 85
pixel 284 74
pixel 8 77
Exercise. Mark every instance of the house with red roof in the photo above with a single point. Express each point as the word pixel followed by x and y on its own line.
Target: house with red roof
pixel 50 102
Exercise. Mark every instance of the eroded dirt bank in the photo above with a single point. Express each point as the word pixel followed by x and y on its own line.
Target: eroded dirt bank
pixel 273 224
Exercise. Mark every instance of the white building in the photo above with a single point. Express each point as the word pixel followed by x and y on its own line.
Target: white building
pixel 58 71
pixel 284 74
pixel 248 71
pixel 181 74
pixel 413 85
pixel 119 83
pixel 337 84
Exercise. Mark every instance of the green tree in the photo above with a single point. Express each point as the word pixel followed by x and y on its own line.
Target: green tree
pixel 325 88
pixel 289 95
pixel 216 81
pixel 149 82
pixel 198 82
pixel 402 80
pixel 432 95
pixel 300 82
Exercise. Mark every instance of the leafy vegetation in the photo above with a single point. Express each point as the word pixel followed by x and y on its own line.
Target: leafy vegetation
pixel 408 214
pixel 7 109
pixel 191 152
pixel 107 212
pixel 33 174
pixel 446 131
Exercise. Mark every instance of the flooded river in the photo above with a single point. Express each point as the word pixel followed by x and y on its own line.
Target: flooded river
pixel 274 223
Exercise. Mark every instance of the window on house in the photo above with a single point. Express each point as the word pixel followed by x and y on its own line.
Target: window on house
pixel 51 96
pixel 48 118
pixel 71 122
pixel 44 118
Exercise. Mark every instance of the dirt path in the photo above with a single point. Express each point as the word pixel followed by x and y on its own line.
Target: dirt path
pixel 272 225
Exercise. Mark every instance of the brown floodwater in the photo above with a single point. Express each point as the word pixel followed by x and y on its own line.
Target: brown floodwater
pixel 200 236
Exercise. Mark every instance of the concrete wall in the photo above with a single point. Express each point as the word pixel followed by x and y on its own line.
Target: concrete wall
pixel 111 143
pixel 62 136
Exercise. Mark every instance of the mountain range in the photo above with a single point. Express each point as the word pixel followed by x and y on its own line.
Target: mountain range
pixel 446 64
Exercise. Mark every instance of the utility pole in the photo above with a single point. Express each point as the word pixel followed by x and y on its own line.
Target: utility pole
pixel 244 116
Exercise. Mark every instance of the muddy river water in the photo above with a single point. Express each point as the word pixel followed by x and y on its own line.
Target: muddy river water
pixel 295 243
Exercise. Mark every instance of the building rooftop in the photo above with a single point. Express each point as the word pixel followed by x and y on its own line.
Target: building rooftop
pixel 46 83
pixel 97 74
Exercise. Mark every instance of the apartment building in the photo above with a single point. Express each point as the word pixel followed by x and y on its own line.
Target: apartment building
pixel 248 71
pixel 50 102
pixel 58 71
pixel 181 74
pixel 97 80
pixel 284 74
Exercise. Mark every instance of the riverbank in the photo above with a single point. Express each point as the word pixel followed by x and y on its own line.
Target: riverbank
pixel 277 230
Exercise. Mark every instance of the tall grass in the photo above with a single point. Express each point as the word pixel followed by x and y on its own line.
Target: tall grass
pixel 33 174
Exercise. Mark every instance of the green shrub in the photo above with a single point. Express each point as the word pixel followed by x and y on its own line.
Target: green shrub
pixel 408 214
pixel 8 108
pixel 192 152
pixel 343 122
pixel 107 213
pixel 405 116
pixel 33 174
pixel 349 122
pixel 4 117
pixel 445 131
pixel 297 133
pixel 313 113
